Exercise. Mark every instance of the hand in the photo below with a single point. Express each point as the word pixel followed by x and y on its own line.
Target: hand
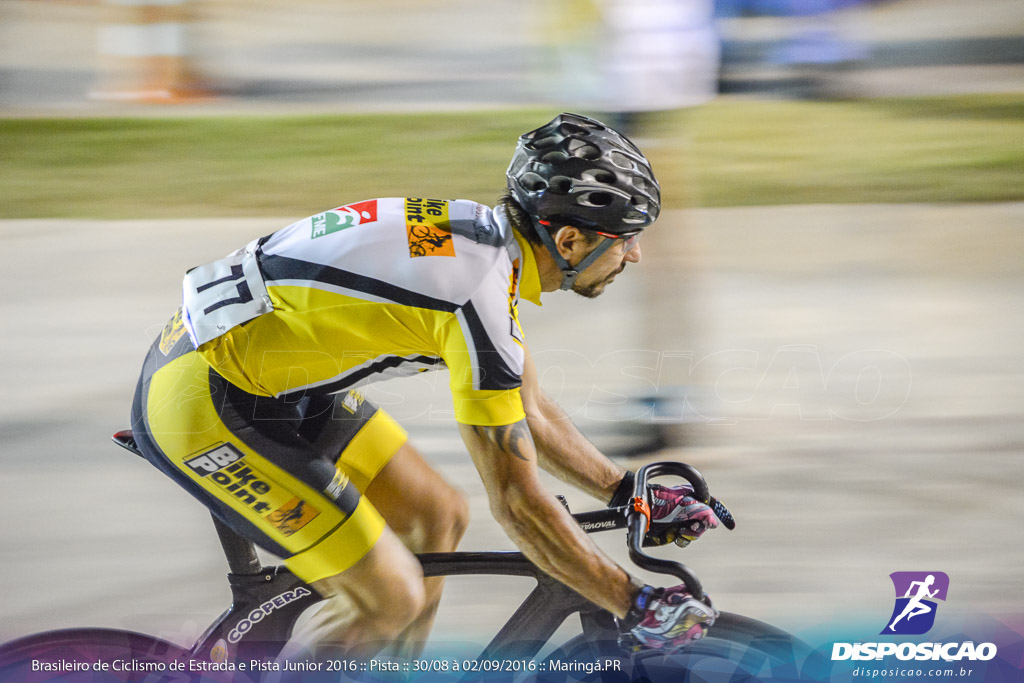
pixel 676 516
pixel 670 618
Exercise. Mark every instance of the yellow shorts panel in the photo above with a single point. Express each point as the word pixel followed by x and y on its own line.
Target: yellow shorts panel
pixel 342 549
pixel 372 449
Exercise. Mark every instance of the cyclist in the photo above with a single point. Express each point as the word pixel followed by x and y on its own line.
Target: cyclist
pixel 247 401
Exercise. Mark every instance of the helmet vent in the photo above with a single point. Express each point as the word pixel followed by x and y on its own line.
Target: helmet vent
pixel 598 175
pixel 582 150
pixel 561 184
pixel 620 160
pixel 555 157
pixel 549 141
pixel 597 199
pixel 643 186
pixel 533 182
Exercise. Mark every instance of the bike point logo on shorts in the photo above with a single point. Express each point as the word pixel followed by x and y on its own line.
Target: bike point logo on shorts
pixel 292 516
pixel 344 217
pixel 227 467
pixel 916 606
pixel 427 227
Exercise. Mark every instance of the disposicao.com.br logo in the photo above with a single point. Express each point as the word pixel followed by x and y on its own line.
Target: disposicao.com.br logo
pixel 914 614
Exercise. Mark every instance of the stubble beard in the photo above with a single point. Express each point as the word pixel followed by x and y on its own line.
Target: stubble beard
pixel 592 291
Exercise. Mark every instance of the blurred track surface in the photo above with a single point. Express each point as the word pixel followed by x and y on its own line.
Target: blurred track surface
pixel 854 379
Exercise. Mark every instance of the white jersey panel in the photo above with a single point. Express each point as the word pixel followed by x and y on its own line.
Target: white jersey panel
pixel 383 240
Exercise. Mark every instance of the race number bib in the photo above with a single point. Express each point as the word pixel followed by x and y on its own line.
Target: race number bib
pixel 223 294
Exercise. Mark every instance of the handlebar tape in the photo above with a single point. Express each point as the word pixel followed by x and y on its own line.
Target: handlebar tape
pixel 723 514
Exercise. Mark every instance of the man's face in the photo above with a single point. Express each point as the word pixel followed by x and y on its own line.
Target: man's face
pixel 592 281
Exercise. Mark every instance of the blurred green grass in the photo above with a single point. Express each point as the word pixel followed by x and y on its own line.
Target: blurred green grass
pixel 729 153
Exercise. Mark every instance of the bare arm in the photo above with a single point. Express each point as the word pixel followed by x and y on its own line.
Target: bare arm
pixel 537 523
pixel 562 450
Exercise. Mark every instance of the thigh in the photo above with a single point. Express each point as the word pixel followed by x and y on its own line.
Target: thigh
pixel 353 433
pixel 409 493
pixel 386 572
pixel 370 447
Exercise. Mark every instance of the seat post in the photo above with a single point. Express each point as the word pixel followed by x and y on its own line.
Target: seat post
pixel 240 552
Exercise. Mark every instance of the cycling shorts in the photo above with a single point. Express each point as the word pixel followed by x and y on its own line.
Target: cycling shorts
pixel 288 476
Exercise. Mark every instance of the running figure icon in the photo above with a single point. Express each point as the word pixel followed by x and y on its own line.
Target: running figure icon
pixel 916 595
pixel 915 607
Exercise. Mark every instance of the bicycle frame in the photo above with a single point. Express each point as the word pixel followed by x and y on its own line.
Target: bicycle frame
pixel 266 602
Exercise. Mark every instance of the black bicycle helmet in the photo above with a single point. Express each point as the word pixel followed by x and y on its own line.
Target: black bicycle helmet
pixel 581 171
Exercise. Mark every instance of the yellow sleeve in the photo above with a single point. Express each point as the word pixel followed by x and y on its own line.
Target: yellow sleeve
pixel 488 407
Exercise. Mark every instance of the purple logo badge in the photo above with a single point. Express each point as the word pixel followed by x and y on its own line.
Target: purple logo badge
pixel 916 593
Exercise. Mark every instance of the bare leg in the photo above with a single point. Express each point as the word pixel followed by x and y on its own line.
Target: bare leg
pixel 921 609
pixel 366 607
pixel 429 516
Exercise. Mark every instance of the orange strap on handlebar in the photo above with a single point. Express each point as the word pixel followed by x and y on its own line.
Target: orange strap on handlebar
pixel 640 505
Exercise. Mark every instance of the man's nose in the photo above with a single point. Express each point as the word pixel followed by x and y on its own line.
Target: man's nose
pixel 633 255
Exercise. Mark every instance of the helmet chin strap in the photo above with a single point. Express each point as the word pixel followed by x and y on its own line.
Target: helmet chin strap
pixel 569 273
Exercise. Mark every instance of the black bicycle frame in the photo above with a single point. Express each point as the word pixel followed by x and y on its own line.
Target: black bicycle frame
pixel 266 601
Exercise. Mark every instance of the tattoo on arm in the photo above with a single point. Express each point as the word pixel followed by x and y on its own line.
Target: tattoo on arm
pixel 506 437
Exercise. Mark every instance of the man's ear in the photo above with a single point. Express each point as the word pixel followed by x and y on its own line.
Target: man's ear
pixel 569 239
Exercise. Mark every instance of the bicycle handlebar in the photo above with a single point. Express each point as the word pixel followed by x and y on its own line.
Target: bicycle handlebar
pixel 638 521
pixel 696 480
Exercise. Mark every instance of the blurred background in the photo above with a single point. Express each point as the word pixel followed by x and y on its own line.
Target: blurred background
pixel 826 322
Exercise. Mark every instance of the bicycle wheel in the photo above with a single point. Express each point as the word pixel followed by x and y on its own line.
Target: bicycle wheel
pixel 93 655
pixel 735 649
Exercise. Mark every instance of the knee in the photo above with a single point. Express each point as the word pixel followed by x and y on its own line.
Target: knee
pixel 374 600
pixel 457 517
pixel 445 523
pixel 396 599
pixel 401 599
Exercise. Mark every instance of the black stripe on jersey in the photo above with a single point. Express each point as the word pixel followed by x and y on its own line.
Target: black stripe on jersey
pixel 357 376
pixel 494 371
pixel 276 267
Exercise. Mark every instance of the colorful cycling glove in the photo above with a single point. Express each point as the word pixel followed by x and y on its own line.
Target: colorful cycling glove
pixel 669 618
pixel 676 516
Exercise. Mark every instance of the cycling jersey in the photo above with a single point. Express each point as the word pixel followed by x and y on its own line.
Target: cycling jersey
pixel 244 398
pixel 372 290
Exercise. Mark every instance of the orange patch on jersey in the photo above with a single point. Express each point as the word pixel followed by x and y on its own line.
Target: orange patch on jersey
pixel 292 516
pixel 426 226
pixel 428 240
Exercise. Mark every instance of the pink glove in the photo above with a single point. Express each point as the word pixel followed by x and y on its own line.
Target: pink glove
pixel 677 516
pixel 670 618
